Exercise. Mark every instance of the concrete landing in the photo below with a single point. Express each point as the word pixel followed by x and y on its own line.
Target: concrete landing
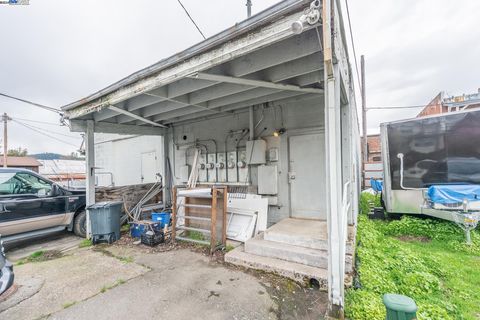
pixel 305 233
pixel 295 271
pixel 303 255
pixel 293 248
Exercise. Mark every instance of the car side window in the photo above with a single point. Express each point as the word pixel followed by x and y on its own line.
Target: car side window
pixel 30 184
pixel 7 183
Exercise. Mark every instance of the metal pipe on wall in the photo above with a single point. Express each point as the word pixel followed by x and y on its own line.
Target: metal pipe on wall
pixel 250 123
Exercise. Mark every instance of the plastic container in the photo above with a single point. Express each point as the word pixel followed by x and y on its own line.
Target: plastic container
pixel 137 229
pixel 162 217
pixel 105 221
pixel 152 239
pixel 399 307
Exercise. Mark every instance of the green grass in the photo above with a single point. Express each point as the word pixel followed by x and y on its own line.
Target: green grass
pixel 126 259
pixel 125 228
pixel 366 199
pixel 425 259
pixel 111 286
pixel 85 243
pixel 69 304
pixel 195 235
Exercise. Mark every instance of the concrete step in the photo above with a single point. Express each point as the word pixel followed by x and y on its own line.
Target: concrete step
pixel 305 233
pixel 295 271
pixel 307 256
pixel 283 251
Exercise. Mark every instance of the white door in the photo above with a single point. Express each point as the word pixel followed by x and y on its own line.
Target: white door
pixel 148 167
pixel 306 176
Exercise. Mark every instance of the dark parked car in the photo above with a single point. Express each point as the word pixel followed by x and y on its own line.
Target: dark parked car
pixel 6 271
pixel 31 206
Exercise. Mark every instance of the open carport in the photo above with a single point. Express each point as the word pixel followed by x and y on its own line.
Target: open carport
pixel 283 78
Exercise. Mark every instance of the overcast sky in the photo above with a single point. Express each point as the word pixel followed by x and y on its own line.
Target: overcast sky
pixel 54 52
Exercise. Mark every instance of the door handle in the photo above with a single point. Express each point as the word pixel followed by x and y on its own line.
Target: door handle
pixel 291 176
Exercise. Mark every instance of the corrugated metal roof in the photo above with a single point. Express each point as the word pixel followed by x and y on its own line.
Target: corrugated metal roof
pixel 21 162
pixel 262 18
pixel 60 166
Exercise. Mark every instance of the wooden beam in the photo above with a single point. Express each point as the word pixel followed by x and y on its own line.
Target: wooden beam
pixel 254 83
pixel 134 116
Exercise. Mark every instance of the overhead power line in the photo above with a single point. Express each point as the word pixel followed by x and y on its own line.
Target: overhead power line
pixel 32 103
pixel 353 45
pixel 43 133
pixel 191 19
pixel 395 107
pixel 42 122
pixel 49 131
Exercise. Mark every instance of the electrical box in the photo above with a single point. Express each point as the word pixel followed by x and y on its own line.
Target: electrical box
pixel 232 166
pixel 272 154
pixel 202 167
pixel 256 150
pixel 242 167
pixel 211 170
pixel 221 168
pixel 267 180
pixel 184 173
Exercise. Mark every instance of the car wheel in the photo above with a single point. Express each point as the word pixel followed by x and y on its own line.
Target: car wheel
pixel 80 224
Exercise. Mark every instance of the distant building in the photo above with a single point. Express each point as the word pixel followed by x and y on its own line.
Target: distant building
pixel 373 167
pixel 67 172
pixel 442 104
pixel 141 159
pixel 374 148
pixel 22 163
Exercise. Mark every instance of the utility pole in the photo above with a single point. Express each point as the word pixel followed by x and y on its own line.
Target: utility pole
pixel 5 118
pixel 249 8
pixel 364 118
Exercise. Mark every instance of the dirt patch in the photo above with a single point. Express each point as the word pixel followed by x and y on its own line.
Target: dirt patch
pixel 7 294
pixel 40 256
pixel 126 241
pixel 293 300
pixel 414 239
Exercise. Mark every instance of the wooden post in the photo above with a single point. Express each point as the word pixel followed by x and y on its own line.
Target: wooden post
pixel 174 213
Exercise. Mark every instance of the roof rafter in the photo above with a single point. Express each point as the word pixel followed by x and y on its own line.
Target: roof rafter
pixel 135 116
pixel 253 83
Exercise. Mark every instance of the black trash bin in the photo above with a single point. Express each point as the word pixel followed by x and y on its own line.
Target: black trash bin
pixel 105 221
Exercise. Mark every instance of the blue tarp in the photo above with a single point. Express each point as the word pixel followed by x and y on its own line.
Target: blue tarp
pixel 456 193
pixel 377 185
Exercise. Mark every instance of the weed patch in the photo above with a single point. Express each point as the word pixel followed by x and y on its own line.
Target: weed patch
pixel 85 243
pixel 425 259
pixel 40 256
pixel 111 286
pixel 69 304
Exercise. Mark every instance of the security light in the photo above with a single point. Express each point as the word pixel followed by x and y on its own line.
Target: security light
pixel 309 17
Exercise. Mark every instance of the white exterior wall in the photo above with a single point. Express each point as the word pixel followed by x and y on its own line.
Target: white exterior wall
pixel 121 156
pixel 297 118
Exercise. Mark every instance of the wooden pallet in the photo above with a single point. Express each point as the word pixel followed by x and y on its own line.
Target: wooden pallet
pixel 207 215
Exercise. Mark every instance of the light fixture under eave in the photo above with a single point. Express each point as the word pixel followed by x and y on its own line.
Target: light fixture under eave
pixel 310 16
pixel 279 132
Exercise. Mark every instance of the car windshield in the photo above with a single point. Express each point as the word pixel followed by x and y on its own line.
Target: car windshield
pixel 23 183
